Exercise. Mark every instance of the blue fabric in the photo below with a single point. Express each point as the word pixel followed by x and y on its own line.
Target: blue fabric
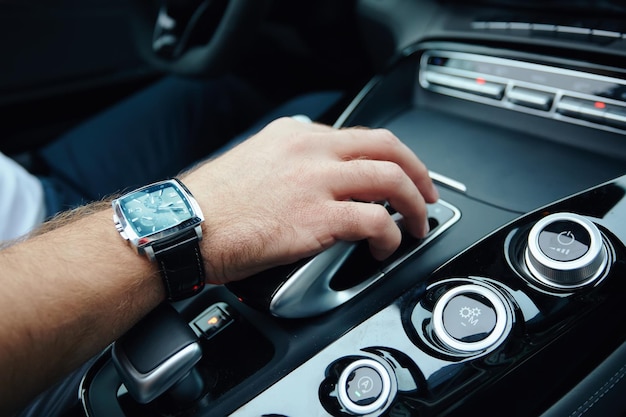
pixel 152 135
pixel 159 132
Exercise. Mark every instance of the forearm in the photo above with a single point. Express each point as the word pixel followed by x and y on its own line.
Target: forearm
pixel 66 295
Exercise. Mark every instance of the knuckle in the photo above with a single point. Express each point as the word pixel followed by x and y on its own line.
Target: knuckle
pixel 387 138
pixel 393 174
pixel 350 172
pixel 378 221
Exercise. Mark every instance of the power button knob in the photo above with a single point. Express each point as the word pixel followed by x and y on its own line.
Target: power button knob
pixel 565 250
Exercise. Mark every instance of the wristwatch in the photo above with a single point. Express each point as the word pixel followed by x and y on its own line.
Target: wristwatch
pixel 163 221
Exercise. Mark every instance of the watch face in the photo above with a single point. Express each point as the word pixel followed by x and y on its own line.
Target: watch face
pixel 155 208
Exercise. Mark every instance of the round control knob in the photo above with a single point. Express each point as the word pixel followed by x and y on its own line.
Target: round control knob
pixel 565 250
pixel 469 318
pixel 364 387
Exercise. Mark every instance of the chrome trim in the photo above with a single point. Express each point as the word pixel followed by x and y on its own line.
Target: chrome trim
pixel 145 387
pixel 380 402
pixel 512 62
pixel 516 26
pixel 606 33
pixel 87 379
pixel 574 30
pixel 457 82
pixel 456 215
pixel 510 83
pixel 470 347
pixel 442 179
pixel 541 27
pixel 355 102
pixel 533 98
pixel 566 274
pixel 308 293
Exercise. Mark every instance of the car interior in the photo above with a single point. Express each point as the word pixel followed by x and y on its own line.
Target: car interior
pixel 511 304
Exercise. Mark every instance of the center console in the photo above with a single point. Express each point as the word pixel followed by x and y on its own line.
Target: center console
pixel 512 301
pixel 485 328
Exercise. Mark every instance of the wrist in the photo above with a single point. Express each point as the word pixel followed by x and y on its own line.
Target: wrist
pixel 162 221
pixel 135 271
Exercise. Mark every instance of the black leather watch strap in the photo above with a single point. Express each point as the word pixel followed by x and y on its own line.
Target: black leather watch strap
pixel 181 265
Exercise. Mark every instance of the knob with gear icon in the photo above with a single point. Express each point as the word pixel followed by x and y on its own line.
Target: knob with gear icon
pixel 470 318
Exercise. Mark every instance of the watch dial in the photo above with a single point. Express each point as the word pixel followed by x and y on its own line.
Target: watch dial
pixel 155 209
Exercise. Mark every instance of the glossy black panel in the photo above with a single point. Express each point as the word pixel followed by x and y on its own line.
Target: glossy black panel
pixel 557 334
pixel 548 341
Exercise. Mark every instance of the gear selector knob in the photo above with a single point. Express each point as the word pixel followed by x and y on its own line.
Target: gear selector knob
pixel 565 250
pixel 156 354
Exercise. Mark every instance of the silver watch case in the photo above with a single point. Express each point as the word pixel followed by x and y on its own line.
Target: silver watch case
pixel 143 244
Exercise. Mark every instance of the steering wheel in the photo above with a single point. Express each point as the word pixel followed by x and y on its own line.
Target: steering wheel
pixel 196 37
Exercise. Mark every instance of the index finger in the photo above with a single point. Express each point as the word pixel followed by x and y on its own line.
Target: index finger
pixel 381 144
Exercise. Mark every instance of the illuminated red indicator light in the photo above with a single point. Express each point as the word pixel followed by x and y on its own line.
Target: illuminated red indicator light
pixel 480 81
pixel 213 320
pixel 599 105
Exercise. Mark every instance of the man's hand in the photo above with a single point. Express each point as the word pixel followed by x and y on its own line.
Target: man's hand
pixel 295 189
pixel 289 192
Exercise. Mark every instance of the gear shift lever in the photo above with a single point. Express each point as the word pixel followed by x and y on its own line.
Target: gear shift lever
pixel 157 354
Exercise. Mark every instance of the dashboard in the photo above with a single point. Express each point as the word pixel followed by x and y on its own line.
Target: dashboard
pixel 511 305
